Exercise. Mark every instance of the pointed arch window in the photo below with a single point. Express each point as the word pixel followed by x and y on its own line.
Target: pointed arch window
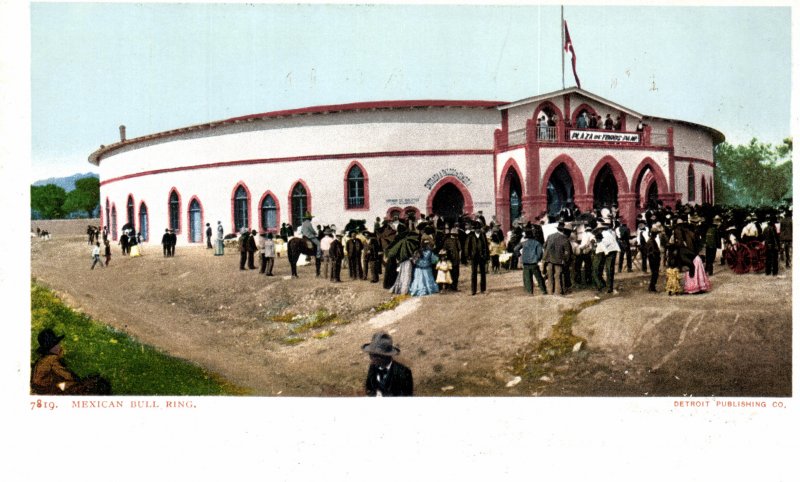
pixel 355 188
pixel 690 181
pixel 241 203
pixel 108 213
pixel 174 211
pixel 299 204
pixel 114 222
pixel 130 211
pixel 269 213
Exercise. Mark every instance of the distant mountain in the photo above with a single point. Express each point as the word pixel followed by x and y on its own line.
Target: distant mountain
pixel 66 183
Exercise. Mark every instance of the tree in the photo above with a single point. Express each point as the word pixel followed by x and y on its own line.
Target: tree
pixel 84 198
pixel 48 200
pixel 754 173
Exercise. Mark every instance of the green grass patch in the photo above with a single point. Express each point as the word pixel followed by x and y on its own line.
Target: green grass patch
pixel 301 326
pixel 530 361
pixel 393 303
pixel 133 368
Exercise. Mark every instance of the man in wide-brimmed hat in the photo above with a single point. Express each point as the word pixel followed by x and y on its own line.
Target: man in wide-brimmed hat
pixel 476 247
pixel 51 377
pixel 307 230
pixel 386 377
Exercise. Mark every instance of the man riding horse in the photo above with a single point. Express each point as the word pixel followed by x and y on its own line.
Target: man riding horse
pixel 298 246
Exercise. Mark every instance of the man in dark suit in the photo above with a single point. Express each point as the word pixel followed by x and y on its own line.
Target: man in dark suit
pixel 209 232
pixel 652 252
pixel 165 242
pixel 476 247
pixel 173 240
pixel 336 253
pixel 354 248
pixel 453 248
pixel 386 377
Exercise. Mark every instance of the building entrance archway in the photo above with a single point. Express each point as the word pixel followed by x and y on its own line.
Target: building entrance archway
pixel 514 186
pixel 560 190
pixel 605 188
pixel 448 203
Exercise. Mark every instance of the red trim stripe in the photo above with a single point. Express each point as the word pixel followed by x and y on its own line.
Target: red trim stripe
pixel 246 162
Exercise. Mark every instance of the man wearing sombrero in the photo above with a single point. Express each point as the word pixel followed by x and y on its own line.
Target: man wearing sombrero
pixel 386 377
pixel 307 230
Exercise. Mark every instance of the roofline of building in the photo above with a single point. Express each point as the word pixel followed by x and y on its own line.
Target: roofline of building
pixel 570 90
pixel 95 156
pixel 716 135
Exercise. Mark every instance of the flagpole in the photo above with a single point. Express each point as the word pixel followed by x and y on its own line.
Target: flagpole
pixel 562 48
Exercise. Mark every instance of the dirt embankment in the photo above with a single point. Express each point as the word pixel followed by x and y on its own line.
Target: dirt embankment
pixel 64 227
pixel 735 340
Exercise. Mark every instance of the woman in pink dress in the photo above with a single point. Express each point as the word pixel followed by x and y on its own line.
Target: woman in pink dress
pixel 700 282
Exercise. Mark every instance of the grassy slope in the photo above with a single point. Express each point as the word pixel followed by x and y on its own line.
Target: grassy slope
pixel 132 367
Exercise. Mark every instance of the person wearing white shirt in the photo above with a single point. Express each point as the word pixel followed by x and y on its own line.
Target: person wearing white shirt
pixel 96 256
pixel 611 248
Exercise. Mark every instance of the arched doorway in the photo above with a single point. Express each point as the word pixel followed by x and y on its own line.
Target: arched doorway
pixel 144 225
pixel 560 190
pixel 652 195
pixel 448 202
pixel 514 186
pixel 195 222
pixel 605 188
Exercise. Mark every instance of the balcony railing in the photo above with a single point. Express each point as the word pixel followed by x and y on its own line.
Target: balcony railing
pixel 547 134
pixel 516 137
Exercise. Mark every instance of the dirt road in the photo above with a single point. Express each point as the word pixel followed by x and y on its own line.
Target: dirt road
pixel 733 341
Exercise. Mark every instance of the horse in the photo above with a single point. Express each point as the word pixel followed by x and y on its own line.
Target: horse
pixel 298 246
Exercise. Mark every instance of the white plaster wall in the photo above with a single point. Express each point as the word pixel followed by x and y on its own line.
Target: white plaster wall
pixel 682 179
pixel 691 142
pixel 502 159
pixel 337 133
pixel 391 180
pixel 587 159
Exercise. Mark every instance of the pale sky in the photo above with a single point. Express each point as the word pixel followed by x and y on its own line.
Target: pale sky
pixel 155 67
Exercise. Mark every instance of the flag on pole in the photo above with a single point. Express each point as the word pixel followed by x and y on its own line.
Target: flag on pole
pixel 568 48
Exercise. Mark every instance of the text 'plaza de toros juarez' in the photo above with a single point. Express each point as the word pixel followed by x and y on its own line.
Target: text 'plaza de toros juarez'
pixel 377 159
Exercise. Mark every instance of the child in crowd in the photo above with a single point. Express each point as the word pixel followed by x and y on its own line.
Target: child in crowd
pixel 443 267
pixel 673 286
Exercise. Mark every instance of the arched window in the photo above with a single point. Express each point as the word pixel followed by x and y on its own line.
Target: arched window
pixel 355 188
pixel 690 181
pixel 241 204
pixel 299 204
pixel 195 222
pixel 108 213
pixel 131 215
pixel 269 213
pixel 144 225
pixel 174 211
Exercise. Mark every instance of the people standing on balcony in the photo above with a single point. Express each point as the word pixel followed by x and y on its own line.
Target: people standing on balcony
pixel 551 123
pixel 542 127
pixel 583 121
pixel 593 122
pixel 618 124
pixel 640 126
pixel 609 123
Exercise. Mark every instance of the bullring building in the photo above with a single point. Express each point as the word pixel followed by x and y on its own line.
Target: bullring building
pixel 377 159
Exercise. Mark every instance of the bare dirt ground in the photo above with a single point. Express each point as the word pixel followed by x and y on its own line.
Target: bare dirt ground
pixel 733 341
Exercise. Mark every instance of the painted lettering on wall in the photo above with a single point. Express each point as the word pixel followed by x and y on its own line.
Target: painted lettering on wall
pixel 602 136
pixel 402 201
pixel 447 172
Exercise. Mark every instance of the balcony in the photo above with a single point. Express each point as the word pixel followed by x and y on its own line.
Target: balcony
pixel 585 137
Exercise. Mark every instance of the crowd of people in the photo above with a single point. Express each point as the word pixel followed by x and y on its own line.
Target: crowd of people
pixel 557 255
